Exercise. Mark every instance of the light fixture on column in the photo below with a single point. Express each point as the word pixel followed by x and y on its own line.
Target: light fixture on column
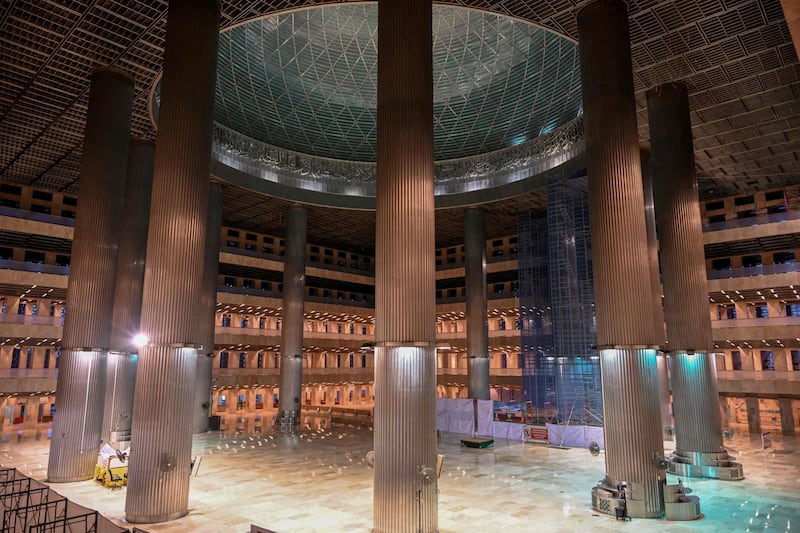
pixel 140 340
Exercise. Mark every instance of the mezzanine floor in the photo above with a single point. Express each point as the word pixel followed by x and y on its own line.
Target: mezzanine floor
pixel 317 481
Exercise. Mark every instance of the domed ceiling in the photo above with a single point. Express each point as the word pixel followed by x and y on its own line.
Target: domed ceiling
pixel 306 81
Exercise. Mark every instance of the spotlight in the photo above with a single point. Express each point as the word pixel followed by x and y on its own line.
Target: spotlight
pixel 140 340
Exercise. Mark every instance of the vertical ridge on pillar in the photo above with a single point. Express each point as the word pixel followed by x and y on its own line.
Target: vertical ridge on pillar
pixel 405 490
pixel 121 362
pixel 621 266
pixel 294 282
pixel 477 326
pixel 665 405
pixel 158 479
pixel 698 426
pixel 201 406
pixel 81 378
pixel 135 217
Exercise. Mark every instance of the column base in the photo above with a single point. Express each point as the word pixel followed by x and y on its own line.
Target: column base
pixel 288 418
pixel 678 505
pixel 155 519
pixel 621 500
pixel 705 465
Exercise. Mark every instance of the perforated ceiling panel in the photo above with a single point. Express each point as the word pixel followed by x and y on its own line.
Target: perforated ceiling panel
pixel 736 56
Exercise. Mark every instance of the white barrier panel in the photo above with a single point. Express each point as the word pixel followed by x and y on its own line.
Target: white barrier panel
pixel 485 417
pixel 575 436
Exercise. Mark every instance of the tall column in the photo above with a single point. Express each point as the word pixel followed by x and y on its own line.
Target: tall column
pixel 405 490
pixel 158 479
pixel 622 283
pixel 90 291
pixel 698 428
pixel 664 399
pixel 477 326
pixel 122 357
pixel 753 415
pixel 201 407
pixel 294 280
pixel 787 416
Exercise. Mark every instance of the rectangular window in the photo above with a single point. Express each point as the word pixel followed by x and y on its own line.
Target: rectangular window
pixel 29 359
pixel 58 357
pixel 749 213
pixel 749 261
pixel 260 362
pixel 743 200
pixel 36 208
pixel 15 354
pixel 762 311
pixel 42 195
pixel 736 359
pixel 767 360
pixel 242 359
pixel 795 360
pixel 771 196
pixel 223 359
pixel 730 313
pixel 721 264
pixel 70 200
pixel 10 189
pixel 716 204
pixel 782 258
pixel 47 358
pixel 716 218
pixel 233 233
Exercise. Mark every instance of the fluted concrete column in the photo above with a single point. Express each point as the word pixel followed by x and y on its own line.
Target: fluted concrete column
pixel 787 416
pixel 477 325
pixel 201 407
pixel 698 427
pixel 90 292
pixel 621 262
pixel 122 357
pixel 294 280
pixel 405 494
pixel 664 400
pixel 158 478
pixel 753 415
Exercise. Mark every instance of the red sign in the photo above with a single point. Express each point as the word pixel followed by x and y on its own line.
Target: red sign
pixel 535 433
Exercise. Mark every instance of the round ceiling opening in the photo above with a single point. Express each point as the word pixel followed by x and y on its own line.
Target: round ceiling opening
pixel 306 81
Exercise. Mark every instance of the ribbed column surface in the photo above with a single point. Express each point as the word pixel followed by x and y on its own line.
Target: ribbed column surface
pixel 207 312
pixel 630 429
pixel 652 248
pixel 173 280
pixel 680 231
pixel 161 442
pixel 622 275
pixel 405 307
pixel 664 401
pixel 405 444
pixel 90 291
pixel 616 201
pixel 477 326
pixel 294 280
pixel 698 427
pixel 121 364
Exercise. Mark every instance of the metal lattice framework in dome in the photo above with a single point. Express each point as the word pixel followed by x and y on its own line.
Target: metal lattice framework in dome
pixel 307 81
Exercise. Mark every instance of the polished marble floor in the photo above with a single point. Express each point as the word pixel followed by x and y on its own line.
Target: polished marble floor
pixel 317 481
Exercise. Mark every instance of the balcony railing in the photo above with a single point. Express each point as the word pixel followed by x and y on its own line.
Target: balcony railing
pixel 756 322
pixel 20 373
pixel 752 221
pixel 760 270
pixel 31 320
pixel 40 268
pixel 39 217
pixel 763 375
